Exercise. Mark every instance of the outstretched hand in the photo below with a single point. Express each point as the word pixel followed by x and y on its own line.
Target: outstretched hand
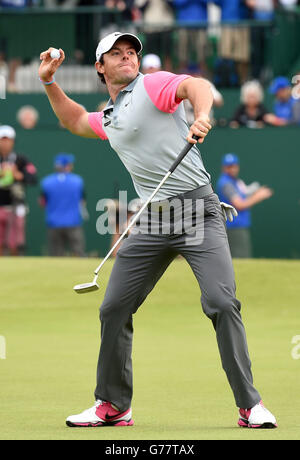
pixel 48 65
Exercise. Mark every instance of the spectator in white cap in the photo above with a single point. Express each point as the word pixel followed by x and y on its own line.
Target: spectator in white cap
pixel 7 132
pixel 151 63
pixel 16 172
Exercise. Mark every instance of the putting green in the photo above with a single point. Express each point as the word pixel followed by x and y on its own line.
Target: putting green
pixel 180 390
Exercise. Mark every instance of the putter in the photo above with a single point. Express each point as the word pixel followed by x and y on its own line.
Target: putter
pixel 93 286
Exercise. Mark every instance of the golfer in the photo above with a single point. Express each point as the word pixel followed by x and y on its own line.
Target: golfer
pixel 145 124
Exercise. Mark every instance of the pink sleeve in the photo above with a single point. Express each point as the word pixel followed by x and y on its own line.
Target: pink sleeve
pixel 161 88
pixel 95 122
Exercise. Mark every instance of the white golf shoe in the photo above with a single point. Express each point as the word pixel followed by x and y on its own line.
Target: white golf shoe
pixel 257 417
pixel 101 414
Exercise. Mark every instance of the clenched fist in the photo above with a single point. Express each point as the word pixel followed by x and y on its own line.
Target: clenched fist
pixel 199 128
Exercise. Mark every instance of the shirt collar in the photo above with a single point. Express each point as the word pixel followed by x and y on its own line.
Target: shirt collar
pixel 110 105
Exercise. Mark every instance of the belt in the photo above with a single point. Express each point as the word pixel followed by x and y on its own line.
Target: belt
pixel 199 192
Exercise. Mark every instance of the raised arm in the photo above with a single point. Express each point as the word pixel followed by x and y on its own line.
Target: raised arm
pixel 72 115
pixel 198 92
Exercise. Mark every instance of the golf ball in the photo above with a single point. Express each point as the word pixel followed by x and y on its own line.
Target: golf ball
pixel 55 54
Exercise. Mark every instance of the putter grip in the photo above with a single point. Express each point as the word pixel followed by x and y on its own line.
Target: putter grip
pixel 182 154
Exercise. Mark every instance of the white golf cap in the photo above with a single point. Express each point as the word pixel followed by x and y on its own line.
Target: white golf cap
pixel 108 42
pixel 151 61
pixel 7 131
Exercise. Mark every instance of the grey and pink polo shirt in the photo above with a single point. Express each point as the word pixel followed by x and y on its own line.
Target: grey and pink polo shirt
pixel 147 128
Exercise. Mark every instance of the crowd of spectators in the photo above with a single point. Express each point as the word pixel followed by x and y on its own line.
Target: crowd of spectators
pixel 283 106
pixel 179 31
pixel 192 48
pixel 62 194
pixel 252 112
pixel 262 8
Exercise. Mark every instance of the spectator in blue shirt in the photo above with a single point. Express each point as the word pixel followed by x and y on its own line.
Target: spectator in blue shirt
pixel 232 190
pixel 16 4
pixel 284 101
pixel 192 38
pixel 63 196
pixel 188 11
pixel 232 10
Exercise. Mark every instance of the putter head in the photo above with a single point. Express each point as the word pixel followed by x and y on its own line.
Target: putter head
pixel 86 287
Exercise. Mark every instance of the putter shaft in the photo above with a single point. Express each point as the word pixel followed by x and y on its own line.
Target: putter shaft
pixel 131 224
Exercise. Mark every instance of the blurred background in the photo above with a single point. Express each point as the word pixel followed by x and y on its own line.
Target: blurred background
pixel 248 49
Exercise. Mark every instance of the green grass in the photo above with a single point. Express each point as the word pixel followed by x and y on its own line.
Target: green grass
pixel 180 390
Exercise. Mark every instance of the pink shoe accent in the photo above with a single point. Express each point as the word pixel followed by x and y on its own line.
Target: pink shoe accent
pixel 106 412
pixel 245 413
pixel 244 416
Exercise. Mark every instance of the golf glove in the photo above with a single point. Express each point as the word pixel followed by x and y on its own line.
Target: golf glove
pixel 229 212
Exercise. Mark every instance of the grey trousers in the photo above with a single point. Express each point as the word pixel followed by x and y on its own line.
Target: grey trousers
pixel 141 261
